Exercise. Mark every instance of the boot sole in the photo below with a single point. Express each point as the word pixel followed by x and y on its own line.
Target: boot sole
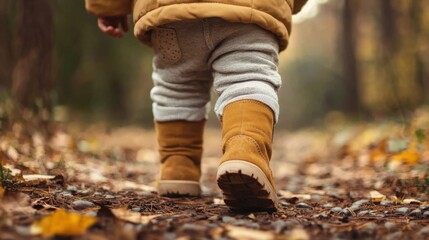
pixel 179 188
pixel 245 187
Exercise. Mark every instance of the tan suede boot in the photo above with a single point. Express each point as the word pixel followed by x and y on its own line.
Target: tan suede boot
pixel 180 148
pixel 244 174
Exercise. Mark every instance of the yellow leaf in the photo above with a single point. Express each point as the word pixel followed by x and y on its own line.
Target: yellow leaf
pixel 376 196
pixel 412 200
pixel 62 223
pixel 1 191
pixel 396 200
pixel 409 156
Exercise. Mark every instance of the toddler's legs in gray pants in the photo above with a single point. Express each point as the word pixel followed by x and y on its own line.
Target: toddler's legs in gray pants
pixel 239 60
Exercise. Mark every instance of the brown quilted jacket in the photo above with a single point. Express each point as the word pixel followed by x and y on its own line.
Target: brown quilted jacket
pixel 273 15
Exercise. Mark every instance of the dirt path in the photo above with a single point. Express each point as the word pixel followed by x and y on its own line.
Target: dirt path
pixel 353 182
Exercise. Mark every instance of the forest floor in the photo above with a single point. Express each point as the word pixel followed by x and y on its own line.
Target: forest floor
pixel 343 181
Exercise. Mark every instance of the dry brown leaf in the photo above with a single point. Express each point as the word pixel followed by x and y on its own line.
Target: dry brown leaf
pixel 62 223
pixel 130 216
pixel 376 196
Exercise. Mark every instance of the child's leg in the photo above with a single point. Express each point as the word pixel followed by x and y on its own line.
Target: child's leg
pixel 181 96
pixel 247 80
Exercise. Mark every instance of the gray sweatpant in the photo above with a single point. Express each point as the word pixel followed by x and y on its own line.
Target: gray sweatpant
pixel 238 60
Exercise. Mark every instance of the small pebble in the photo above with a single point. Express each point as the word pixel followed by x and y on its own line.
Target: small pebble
pixel 390 226
pixel 66 194
pixel 321 216
pixel 360 202
pixel 402 210
pixel 252 225
pixel 110 197
pixel 426 214
pixel 346 212
pixel 240 222
pixel 228 219
pixel 354 208
pixel 98 194
pixel 363 213
pixel 85 191
pixel 328 205
pixel 303 205
pixel 315 197
pixel 386 203
pixel 136 209
pixel 82 204
pixel 284 203
pixel 336 210
pixel 72 188
pixel 416 213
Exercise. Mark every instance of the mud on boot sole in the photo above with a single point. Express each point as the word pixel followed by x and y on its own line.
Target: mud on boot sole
pixel 245 187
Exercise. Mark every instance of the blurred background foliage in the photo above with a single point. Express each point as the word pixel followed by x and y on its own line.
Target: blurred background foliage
pixel 346 59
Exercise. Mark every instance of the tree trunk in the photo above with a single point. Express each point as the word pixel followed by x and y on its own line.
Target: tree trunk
pixel 417 35
pixel 6 54
pixel 351 74
pixel 33 73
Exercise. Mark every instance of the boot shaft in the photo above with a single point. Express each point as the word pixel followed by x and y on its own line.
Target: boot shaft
pixel 251 120
pixel 180 138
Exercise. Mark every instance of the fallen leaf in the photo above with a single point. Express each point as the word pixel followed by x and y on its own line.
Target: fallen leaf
pixel 218 201
pixel 376 196
pixel 62 223
pixel 248 234
pixel 409 156
pixel 32 177
pixel 396 200
pixel 130 216
pixel 1 191
pixel 412 201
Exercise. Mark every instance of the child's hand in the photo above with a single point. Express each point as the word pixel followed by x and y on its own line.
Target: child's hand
pixel 114 26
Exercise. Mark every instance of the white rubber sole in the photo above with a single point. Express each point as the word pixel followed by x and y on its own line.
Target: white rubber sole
pixel 245 187
pixel 179 188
